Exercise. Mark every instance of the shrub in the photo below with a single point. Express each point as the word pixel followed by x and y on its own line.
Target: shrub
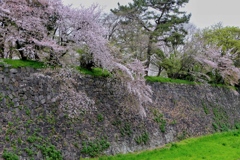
pixel 9 156
pixel 94 148
pixel 143 138
pixel 50 152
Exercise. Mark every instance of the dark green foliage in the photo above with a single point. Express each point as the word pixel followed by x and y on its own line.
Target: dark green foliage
pixel 86 58
pixel 162 126
pixel 215 78
pixel 126 129
pixel 158 117
pixel 10 124
pixel 1 97
pixel 33 138
pixel 143 138
pixel 94 148
pixel 51 119
pixel 174 145
pixel 30 152
pixel 117 122
pixel 100 117
pixel 205 108
pixel 220 119
pixel 215 126
pixel 11 131
pixel 173 122
pixel 9 156
pixel 182 135
pixel 237 125
pixel 50 152
pixel 7 138
pixel 28 112
pixel 174 67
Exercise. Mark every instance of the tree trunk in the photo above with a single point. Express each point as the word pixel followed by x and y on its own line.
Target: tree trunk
pixel 36 56
pixel 22 55
pixel 21 52
pixel 1 48
pixel 159 71
pixel 149 50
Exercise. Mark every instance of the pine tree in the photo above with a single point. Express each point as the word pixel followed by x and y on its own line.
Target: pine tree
pixel 162 20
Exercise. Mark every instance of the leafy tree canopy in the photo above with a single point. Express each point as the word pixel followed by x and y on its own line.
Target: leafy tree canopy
pixel 161 19
pixel 225 37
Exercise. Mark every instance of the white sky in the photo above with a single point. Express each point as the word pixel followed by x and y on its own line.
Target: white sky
pixel 204 12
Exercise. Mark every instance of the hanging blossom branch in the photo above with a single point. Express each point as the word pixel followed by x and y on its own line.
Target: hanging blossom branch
pixel 135 83
pixel 222 63
pixel 138 86
pixel 82 26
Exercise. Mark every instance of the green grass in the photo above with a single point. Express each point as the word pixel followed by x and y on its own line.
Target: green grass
pixel 96 72
pixel 15 63
pixel 223 86
pixel 181 81
pixel 168 80
pixel 219 146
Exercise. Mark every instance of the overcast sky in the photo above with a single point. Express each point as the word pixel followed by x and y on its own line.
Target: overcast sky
pixel 204 12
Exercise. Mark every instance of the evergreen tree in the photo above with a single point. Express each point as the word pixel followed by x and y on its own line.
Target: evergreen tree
pixel 162 20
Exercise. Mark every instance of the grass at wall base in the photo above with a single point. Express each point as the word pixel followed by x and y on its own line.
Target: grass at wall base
pixel 219 146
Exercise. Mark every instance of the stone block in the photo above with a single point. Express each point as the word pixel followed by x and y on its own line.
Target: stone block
pixel 13 71
pixel 43 101
pixel 6 80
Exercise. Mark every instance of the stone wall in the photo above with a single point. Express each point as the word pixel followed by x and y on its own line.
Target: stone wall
pixel 67 110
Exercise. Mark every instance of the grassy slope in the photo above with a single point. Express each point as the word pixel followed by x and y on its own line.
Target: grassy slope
pixel 168 80
pixel 96 72
pixel 15 63
pixel 181 81
pixel 219 146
